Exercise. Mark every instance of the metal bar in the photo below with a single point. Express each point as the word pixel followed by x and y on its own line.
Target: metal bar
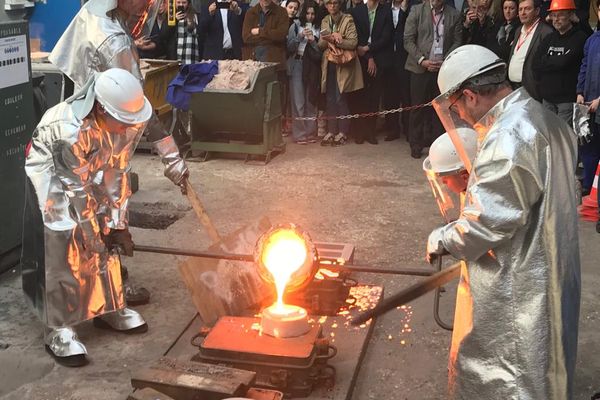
pixel 250 258
pixel 411 293
pixel 194 253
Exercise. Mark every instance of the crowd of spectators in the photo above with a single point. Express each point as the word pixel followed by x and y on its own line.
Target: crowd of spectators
pixel 354 56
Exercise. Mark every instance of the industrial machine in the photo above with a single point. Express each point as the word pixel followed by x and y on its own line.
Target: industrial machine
pixel 16 124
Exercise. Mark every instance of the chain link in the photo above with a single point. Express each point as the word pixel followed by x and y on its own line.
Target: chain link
pixel 363 115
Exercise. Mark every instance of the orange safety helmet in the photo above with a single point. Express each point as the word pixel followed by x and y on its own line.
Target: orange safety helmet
pixel 558 5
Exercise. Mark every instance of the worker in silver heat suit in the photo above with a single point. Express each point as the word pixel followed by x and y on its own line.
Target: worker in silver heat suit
pixel 515 333
pixel 98 38
pixel 75 212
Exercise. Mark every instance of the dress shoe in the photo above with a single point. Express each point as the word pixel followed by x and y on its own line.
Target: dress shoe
pixel 359 140
pixel 416 153
pixel 389 138
pixel 372 140
pixel 125 321
pixel 64 345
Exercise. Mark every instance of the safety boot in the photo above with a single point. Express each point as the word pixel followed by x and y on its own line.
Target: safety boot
pixel 64 345
pixel 125 320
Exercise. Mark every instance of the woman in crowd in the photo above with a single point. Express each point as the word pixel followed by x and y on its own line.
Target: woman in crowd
pixel 185 43
pixel 291 7
pixel 588 91
pixel 304 72
pixel 504 31
pixel 338 33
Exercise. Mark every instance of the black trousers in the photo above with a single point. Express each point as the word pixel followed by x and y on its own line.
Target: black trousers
pixel 368 100
pixel 425 126
pixel 396 93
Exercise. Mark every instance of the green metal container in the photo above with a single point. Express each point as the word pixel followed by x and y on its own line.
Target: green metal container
pixel 245 121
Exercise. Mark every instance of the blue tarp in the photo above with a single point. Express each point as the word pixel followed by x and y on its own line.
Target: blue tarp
pixel 192 78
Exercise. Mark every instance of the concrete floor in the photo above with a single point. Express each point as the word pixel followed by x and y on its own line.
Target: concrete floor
pixel 375 197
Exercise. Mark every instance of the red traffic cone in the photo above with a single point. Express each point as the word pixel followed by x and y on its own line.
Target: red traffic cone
pixel 588 211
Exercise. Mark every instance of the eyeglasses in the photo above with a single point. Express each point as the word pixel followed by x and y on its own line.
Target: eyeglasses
pixel 453 104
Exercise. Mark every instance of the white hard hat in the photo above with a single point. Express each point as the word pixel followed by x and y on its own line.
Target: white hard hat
pixel 443 157
pixel 465 63
pixel 122 96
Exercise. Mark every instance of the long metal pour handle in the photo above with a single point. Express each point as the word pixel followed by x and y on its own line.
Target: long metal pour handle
pixel 250 258
pixel 194 253
pixel 409 294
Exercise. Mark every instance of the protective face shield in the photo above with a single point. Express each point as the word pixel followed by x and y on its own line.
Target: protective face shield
pixel 141 24
pixel 124 144
pixel 468 63
pixel 446 172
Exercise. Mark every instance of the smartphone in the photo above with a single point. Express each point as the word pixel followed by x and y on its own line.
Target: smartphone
pixel 180 9
pixel 308 25
pixel 223 4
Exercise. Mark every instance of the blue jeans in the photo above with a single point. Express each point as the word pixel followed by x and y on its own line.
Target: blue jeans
pixel 301 106
pixel 336 104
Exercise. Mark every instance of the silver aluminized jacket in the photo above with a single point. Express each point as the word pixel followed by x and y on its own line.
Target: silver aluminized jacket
pixel 97 39
pixel 517 314
pixel 77 186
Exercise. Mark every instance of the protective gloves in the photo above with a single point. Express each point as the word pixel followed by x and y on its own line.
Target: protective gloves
pixel 119 239
pixel 175 168
pixel 435 245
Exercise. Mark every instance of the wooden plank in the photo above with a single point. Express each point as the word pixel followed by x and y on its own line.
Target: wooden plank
pixel 186 380
pixel 148 394
pixel 222 287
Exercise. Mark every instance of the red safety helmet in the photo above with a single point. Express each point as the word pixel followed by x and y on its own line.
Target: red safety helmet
pixel 559 5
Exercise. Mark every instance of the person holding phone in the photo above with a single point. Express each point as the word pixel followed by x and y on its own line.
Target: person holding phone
pixel 478 27
pixel 221 25
pixel 337 80
pixel 303 66
pixel 185 42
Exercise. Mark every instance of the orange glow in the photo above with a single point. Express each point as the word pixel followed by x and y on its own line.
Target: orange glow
pixel 284 254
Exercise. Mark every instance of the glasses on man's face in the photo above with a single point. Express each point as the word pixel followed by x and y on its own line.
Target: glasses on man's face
pixel 453 106
pixel 333 3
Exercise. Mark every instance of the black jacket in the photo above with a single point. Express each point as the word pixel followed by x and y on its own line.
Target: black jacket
pixel 556 65
pixel 529 80
pixel 211 28
pixel 500 44
pixel 381 47
pixel 400 53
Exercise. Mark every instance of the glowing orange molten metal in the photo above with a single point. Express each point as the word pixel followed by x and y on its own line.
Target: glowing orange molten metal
pixel 284 254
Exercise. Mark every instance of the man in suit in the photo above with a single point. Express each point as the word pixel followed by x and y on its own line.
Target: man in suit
pixel 222 28
pixel 373 22
pixel 528 38
pixel 432 31
pixel 398 91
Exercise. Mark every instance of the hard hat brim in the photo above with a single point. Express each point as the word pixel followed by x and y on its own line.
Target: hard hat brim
pixel 139 117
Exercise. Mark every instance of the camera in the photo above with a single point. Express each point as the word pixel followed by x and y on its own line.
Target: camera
pixel 223 4
pixel 180 9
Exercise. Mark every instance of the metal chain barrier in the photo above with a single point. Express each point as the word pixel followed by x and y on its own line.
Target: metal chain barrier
pixel 363 115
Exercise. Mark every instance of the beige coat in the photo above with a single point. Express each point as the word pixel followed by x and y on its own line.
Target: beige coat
pixel 349 75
